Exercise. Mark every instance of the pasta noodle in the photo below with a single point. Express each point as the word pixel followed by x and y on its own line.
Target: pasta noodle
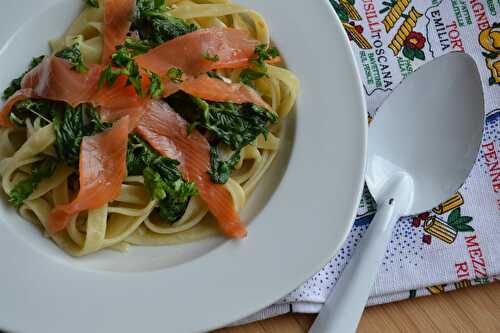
pixel 130 219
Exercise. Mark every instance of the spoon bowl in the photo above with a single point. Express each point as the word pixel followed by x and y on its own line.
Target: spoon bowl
pixel 431 129
pixel 422 145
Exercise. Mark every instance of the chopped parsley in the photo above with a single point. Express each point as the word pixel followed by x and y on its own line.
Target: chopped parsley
pixel 156 88
pixel 259 67
pixel 175 75
pixel 136 46
pixel 123 60
pixel 207 56
pixel 74 56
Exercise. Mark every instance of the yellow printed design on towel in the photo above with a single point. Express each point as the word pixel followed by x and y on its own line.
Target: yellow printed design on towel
pixel 440 229
pixel 445 228
pixel 357 37
pixel 394 13
pixel 463 284
pixel 437 289
pixel 350 9
pixel 489 39
pixel 404 31
pixel 454 202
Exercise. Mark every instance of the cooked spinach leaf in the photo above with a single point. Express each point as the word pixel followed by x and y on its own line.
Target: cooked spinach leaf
pixel 162 178
pixel 24 188
pixel 155 25
pixel 71 126
pixel 139 155
pixel 236 125
pixel 33 109
pixel 15 84
pixel 74 56
pixel 220 169
pixel 93 3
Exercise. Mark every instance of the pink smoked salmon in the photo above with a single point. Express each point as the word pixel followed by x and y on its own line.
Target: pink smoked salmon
pixel 102 170
pixel 54 79
pixel 166 132
pixel 217 90
pixel 233 48
pixel 117 20
pixel 20 95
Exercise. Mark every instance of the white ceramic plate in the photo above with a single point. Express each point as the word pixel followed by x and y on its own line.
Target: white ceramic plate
pixel 298 218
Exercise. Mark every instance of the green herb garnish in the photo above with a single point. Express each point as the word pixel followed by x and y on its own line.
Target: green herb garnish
pixel 259 67
pixel 136 46
pixel 156 88
pixel 123 60
pixel 74 56
pixel 248 75
pixel 209 57
pixel 175 75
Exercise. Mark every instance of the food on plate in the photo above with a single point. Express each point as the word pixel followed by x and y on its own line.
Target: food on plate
pixel 149 123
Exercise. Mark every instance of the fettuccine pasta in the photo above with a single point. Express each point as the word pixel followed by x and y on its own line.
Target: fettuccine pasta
pixel 132 218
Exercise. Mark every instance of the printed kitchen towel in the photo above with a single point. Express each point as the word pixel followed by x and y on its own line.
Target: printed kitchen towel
pixel 456 244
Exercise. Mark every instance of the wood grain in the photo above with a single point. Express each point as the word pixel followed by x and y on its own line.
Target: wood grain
pixel 467 310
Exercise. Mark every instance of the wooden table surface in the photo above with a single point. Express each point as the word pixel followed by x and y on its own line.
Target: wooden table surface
pixel 467 310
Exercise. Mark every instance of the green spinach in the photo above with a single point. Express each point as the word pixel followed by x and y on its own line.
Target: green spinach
pixel 71 126
pixel 24 188
pixel 15 84
pixel 155 25
pixel 162 178
pixel 74 56
pixel 236 125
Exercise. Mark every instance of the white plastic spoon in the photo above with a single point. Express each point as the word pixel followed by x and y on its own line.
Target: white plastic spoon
pixel 422 145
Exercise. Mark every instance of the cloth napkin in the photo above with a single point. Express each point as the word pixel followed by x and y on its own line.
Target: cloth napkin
pixel 456 244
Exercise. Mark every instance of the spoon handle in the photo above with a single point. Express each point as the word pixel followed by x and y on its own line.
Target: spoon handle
pixel 344 306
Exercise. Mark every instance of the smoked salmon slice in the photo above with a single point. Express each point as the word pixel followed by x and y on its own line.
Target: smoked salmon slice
pixel 216 90
pixel 19 95
pixel 233 48
pixel 120 100
pixel 117 21
pixel 166 132
pixel 102 170
pixel 54 79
